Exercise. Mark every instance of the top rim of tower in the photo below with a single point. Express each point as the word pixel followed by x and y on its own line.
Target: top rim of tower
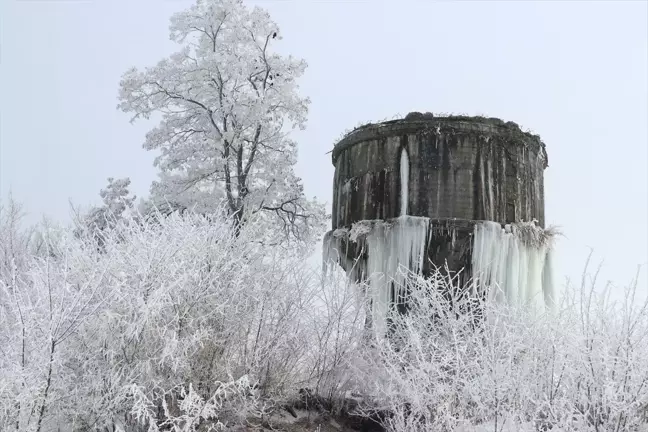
pixel 416 122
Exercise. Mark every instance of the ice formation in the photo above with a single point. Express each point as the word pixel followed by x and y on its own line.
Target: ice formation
pixel 393 250
pixel 510 264
pixel 513 264
pixel 404 181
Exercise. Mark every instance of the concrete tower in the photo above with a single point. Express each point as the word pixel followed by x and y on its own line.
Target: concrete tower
pixel 428 192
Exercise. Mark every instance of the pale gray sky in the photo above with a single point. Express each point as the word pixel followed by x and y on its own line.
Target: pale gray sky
pixel 574 72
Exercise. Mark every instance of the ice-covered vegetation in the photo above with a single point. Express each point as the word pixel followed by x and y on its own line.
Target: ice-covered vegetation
pixel 228 101
pixel 177 324
pixel 449 365
pixel 172 322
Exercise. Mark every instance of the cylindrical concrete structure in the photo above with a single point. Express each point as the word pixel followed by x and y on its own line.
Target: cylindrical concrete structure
pixel 462 194
pixel 454 170
pixel 469 168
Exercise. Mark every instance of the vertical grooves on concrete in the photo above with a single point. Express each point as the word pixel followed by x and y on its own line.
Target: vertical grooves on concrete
pixel 457 169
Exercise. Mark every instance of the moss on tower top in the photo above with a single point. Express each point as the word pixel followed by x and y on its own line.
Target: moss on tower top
pixel 415 116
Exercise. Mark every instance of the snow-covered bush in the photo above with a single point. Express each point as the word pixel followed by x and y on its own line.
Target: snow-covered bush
pixel 47 296
pixel 167 317
pixel 178 324
pixel 581 369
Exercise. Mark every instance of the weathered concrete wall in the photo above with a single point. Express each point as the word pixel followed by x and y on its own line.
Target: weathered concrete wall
pixel 468 168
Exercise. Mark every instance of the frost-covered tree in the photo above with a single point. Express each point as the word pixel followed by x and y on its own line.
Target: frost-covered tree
pixel 117 203
pixel 13 243
pixel 227 102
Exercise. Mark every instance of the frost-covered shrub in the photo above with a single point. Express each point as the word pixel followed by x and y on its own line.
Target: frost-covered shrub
pixel 180 306
pixel 177 324
pixel 52 290
pixel 580 369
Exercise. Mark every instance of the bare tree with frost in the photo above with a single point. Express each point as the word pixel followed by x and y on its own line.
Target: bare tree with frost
pixel 227 102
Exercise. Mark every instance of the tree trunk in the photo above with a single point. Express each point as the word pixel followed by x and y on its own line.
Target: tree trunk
pixel 239 221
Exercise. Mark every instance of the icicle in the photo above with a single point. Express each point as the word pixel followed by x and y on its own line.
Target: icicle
pixel 523 265
pixel 378 287
pixel 346 187
pixel 404 180
pixel 326 253
pixel 511 264
pixel 534 295
pixel 453 236
pixel 486 255
pixel 513 270
pixel 502 273
pixel 392 252
pixel 548 283
pixel 477 252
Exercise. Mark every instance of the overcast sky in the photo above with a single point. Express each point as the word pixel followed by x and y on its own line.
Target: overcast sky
pixel 574 72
